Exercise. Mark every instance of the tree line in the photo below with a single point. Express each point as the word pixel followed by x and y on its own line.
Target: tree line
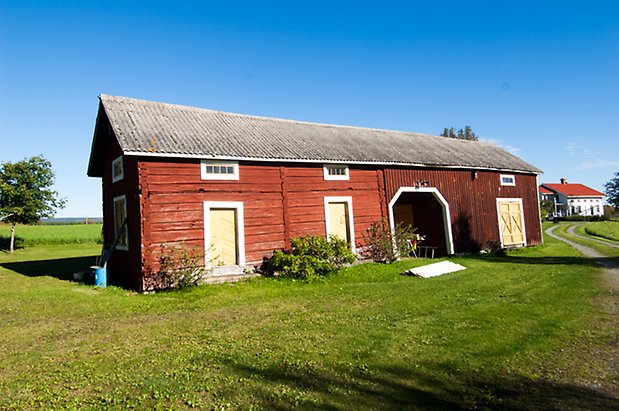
pixel 462 134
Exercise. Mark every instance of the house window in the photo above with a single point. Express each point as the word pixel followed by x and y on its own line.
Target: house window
pixel 120 214
pixel 219 170
pixel 118 171
pixel 508 180
pixel 335 172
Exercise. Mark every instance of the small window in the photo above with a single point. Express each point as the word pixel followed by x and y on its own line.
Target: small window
pixel 219 170
pixel 508 180
pixel 335 172
pixel 118 171
pixel 120 214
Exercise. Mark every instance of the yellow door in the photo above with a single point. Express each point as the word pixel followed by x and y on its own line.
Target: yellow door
pixel 223 236
pixel 511 222
pixel 403 213
pixel 338 221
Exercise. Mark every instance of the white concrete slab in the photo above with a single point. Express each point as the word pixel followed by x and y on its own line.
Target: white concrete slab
pixel 435 269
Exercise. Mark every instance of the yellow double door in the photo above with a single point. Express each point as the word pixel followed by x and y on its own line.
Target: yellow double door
pixel 511 222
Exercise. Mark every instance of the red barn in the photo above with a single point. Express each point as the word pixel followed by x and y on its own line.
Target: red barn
pixel 240 186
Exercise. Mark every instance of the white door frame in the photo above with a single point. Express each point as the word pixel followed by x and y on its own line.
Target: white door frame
pixel 449 242
pixel 351 221
pixel 539 210
pixel 240 229
pixel 500 200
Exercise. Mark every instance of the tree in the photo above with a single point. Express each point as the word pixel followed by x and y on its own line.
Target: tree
pixel 546 208
pixel 462 134
pixel 612 191
pixel 25 192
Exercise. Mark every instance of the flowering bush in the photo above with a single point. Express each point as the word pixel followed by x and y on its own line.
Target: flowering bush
pixel 382 245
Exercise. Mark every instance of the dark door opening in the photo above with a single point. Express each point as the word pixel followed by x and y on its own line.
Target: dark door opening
pixel 426 213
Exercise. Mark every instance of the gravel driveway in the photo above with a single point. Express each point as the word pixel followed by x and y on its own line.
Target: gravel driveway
pixel 610 272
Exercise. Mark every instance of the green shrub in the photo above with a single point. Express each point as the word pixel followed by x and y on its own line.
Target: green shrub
pixel 308 257
pixel 178 267
pixel 495 248
pixel 583 218
pixel 546 208
pixel 381 245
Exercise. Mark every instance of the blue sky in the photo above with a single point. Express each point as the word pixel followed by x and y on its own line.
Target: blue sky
pixel 540 79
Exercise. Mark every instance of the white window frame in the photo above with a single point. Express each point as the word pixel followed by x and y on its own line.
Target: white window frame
pixel 240 229
pixel 123 247
pixel 327 176
pixel 118 177
pixel 351 220
pixel 513 178
pixel 210 176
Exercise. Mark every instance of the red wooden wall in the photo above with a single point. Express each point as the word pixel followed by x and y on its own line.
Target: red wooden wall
pixel 124 267
pixel 280 202
pixel 472 201
pixel 165 205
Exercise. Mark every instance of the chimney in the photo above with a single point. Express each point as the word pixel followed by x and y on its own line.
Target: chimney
pixel 563 181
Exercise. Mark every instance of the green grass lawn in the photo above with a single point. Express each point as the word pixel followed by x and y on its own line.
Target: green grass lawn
pixel 30 235
pixel 518 332
pixel 604 229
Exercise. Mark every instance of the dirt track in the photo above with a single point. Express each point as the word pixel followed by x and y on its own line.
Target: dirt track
pixel 610 272
pixel 611 269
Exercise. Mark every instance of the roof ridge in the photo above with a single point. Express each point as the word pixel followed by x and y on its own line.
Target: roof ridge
pixel 300 122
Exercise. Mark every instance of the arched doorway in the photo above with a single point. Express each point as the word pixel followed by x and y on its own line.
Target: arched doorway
pixel 425 209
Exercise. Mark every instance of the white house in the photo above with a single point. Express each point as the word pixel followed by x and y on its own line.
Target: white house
pixel 572 198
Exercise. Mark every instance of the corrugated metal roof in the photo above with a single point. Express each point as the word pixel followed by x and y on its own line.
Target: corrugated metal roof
pixel 573 189
pixel 150 128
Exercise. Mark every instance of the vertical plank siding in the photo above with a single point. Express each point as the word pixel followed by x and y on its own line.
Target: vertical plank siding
pixel 472 196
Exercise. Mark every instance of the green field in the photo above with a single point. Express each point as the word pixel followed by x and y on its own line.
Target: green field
pixel 526 331
pixel 30 235
pixel 604 229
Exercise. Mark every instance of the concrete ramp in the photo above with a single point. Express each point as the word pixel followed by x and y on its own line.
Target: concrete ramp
pixel 435 269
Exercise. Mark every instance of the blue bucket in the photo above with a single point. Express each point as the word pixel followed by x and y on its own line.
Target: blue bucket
pixel 100 274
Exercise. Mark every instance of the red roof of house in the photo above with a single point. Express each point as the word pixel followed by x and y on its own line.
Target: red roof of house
pixel 544 190
pixel 572 189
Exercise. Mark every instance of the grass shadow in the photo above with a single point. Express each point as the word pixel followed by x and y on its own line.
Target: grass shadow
pixel 61 268
pixel 404 387
pixel 582 261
